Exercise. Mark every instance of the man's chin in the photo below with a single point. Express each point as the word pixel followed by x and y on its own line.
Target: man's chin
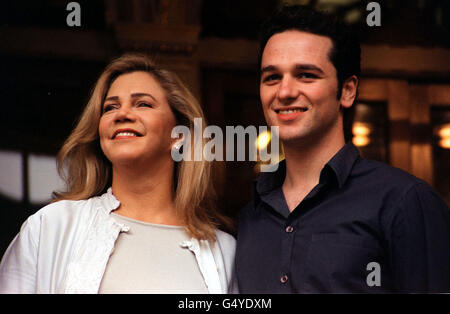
pixel 290 136
pixel 295 139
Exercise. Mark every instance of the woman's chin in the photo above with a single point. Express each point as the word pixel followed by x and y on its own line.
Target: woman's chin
pixel 126 160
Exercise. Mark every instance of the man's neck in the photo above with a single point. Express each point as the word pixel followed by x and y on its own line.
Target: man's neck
pixel 303 166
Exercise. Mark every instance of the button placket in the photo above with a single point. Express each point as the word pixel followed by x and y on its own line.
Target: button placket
pixel 286 251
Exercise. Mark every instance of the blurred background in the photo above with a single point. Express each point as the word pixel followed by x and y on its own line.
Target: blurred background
pixel 48 68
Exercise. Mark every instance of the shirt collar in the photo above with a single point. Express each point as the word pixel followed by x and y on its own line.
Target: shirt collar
pixel 340 164
pixel 109 201
pixel 268 181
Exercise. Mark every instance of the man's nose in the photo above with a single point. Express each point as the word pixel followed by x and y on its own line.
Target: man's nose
pixel 288 90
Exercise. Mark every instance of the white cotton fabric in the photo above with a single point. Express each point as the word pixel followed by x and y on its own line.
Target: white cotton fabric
pixel 149 259
pixel 65 247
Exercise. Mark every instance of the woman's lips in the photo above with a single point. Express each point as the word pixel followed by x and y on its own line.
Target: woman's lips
pixel 121 136
pixel 125 134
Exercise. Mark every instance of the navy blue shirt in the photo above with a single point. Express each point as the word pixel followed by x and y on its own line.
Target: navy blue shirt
pixel 366 227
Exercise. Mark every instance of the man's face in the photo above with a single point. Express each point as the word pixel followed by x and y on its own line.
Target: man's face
pixel 298 86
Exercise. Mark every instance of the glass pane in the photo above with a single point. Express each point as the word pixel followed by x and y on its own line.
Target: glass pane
pixel 11 185
pixel 43 178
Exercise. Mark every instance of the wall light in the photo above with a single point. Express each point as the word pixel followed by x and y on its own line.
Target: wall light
pixel 261 143
pixel 263 140
pixel 361 132
pixel 443 131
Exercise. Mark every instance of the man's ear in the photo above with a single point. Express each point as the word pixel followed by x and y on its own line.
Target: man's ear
pixel 349 89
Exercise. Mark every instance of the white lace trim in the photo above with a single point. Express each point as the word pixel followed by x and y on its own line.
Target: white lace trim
pixel 86 270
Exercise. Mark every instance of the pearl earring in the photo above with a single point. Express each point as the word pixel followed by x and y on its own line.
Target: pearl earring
pixel 177 146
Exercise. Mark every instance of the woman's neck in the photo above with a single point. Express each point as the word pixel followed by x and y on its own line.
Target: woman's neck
pixel 146 194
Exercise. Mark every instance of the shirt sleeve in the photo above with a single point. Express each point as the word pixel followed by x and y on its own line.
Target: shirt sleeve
pixel 419 242
pixel 19 263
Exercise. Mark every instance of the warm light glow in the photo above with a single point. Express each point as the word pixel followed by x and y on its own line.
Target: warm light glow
pixel 263 140
pixel 444 131
pixel 361 133
pixel 361 129
pixel 361 140
pixel 445 143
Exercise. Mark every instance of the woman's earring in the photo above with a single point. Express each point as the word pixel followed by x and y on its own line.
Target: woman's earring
pixel 177 146
pixel 177 151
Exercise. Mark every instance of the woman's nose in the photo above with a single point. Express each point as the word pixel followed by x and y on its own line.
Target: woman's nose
pixel 125 113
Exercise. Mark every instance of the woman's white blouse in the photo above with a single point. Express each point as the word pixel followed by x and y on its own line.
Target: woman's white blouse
pixel 65 247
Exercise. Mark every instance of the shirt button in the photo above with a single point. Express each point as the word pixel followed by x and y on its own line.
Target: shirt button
pixel 284 279
pixel 289 229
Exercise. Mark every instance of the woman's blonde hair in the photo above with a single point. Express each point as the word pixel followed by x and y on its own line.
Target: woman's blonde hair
pixel 87 172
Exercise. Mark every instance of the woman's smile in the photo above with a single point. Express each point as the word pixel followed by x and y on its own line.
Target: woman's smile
pixel 122 134
pixel 137 116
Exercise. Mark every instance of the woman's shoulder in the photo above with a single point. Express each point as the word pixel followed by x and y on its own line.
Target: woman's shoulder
pixel 64 212
pixel 59 209
pixel 63 208
pixel 225 240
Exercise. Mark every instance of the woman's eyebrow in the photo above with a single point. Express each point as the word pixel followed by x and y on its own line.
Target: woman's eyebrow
pixel 134 95
pixel 112 98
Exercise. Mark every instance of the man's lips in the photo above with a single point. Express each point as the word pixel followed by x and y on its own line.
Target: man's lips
pixel 288 114
pixel 125 133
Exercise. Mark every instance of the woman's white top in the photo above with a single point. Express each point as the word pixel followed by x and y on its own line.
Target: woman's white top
pixel 139 264
pixel 65 248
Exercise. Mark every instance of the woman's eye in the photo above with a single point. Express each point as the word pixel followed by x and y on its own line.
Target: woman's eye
pixel 145 104
pixel 107 108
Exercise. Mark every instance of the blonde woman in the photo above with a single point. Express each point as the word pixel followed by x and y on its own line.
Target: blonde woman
pixel 131 220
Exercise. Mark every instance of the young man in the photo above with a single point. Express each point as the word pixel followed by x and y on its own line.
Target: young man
pixel 328 220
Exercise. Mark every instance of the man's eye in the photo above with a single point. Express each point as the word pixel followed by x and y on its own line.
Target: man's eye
pixel 307 75
pixel 271 77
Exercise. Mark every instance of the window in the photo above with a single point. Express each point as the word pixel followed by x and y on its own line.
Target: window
pixel 370 130
pixel 28 179
pixel 440 121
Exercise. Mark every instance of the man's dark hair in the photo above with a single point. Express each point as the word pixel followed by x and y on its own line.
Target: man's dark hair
pixel 345 53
